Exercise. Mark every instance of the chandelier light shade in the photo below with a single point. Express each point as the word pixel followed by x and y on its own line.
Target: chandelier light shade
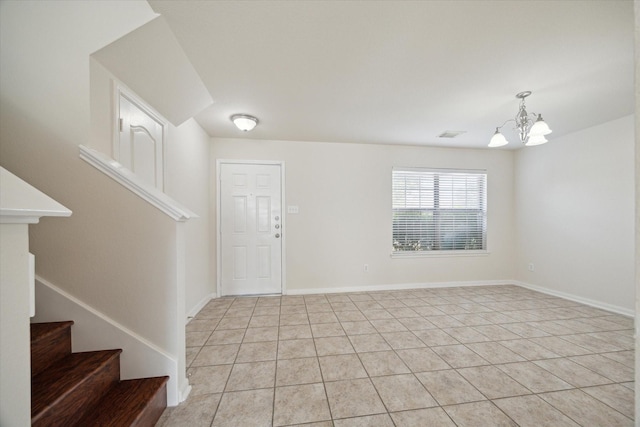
pixel 540 127
pixel 244 122
pixel 498 140
pixel 535 140
pixel 530 132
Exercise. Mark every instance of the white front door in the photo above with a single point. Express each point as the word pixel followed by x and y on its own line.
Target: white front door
pixel 250 229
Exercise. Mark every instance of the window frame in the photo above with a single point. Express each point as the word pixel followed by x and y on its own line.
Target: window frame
pixel 442 252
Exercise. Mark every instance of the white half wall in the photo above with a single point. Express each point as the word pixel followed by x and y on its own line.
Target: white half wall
pixel 93 331
pixel 575 214
pixel 15 363
pixel 186 179
pixel 343 192
pixel 117 253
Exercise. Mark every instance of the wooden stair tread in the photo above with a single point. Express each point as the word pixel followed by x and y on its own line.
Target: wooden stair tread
pixel 50 342
pixel 84 389
pixel 138 402
pixel 43 330
pixel 54 383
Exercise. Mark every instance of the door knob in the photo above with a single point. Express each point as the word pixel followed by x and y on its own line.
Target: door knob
pixel 277 235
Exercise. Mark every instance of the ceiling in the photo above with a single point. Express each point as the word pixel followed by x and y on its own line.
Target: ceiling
pixel 403 72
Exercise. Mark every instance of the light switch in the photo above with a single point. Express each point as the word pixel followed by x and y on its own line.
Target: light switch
pixel 293 209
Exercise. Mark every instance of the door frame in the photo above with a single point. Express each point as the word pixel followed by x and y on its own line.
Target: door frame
pixel 283 258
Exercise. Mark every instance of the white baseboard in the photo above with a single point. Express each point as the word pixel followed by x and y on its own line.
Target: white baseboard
pixel 184 393
pixel 403 286
pixel 576 298
pixel 92 330
pixel 195 310
pixel 433 285
pixel 396 287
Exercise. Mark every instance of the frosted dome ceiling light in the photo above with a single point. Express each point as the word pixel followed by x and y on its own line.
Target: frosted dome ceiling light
pixel 244 122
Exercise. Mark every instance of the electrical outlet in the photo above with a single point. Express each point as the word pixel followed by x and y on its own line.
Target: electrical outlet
pixel 366 268
pixel 531 267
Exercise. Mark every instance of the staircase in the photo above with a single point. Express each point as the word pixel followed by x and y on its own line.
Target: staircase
pixel 84 389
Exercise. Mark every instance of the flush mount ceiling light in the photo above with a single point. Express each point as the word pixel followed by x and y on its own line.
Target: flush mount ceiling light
pixel 530 132
pixel 244 122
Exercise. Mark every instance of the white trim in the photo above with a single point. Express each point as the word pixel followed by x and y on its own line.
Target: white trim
pixel 438 254
pixel 115 120
pixel 94 330
pixel 196 309
pixel 101 316
pixel 582 300
pixel 437 170
pixel 120 174
pixel 432 285
pixel 397 286
pixel 283 247
pixel 120 90
pixel 483 204
pixel 283 258
pixel 184 392
pixel 32 284
pixel 22 203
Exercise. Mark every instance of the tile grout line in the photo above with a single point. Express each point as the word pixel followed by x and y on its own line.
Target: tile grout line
pixel 559 313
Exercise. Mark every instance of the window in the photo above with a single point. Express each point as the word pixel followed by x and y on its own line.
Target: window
pixel 439 210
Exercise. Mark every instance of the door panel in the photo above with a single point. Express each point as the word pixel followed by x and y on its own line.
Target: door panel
pixel 263 214
pixel 264 262
pixel 239 263
pixel 140 142
pixel 240 214
pixel 250 229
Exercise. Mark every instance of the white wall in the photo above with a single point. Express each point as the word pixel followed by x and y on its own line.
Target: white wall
pixel 186 179
pixel 344 195
pixel 15 372
pixel 575 214
pixel 637 205
pixel 117 254
pixel 45 105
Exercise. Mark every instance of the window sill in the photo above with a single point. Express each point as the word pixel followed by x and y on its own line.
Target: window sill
pixel 439 254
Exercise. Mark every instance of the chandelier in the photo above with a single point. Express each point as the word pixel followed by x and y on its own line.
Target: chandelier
pixel 530 132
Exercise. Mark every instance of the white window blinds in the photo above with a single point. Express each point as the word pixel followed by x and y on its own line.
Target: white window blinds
pixel 439 210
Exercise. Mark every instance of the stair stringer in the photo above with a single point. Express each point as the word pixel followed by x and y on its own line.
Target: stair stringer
pixel 93 330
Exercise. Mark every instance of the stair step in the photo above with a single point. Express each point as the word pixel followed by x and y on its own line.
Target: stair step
pixel 63 392
pixel 50 342
pixel 138 403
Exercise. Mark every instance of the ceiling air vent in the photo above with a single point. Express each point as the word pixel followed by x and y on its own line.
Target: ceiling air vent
pixel 451 133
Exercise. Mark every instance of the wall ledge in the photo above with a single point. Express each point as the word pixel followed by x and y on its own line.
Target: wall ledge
pixel 128 179
pixel 22 203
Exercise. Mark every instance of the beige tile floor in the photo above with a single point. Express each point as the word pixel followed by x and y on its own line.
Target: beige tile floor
pixel 466 356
